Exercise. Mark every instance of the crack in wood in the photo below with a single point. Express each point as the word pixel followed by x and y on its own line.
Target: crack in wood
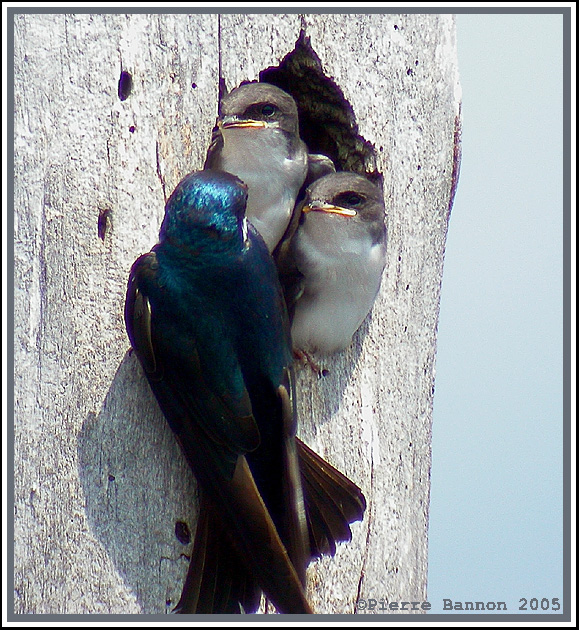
pixel 159 173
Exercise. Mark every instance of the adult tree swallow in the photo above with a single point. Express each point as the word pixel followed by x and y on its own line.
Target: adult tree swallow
pixel 338 252
pixel 257 139
pixel 206 318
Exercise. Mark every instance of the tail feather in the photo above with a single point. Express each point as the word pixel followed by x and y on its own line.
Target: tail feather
pixel 217 580
pixel 332 502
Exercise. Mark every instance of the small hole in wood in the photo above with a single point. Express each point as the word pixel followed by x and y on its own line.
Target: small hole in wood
pixel 104 222
pixel 182 532
pixel 125 85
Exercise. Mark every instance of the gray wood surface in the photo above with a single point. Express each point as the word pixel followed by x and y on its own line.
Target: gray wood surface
pixel 99 479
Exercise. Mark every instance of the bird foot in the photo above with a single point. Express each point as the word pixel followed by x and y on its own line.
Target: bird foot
pixel 306 359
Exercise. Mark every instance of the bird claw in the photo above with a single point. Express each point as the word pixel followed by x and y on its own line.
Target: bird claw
pixel 306 359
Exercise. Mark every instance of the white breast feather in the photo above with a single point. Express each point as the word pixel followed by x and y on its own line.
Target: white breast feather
pixel 342 280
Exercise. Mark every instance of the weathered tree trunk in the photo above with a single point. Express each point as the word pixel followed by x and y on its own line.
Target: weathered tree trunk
pixel 99 479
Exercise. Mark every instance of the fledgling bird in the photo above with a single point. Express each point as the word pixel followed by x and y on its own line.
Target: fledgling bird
pixel 338 253
pixel 206 318
pixel 257 138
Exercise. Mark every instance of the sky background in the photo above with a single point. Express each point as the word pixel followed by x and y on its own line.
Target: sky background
pixel 496 499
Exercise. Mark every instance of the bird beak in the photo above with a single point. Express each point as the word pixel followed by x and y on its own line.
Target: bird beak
pixel 230 122
pixel 317 206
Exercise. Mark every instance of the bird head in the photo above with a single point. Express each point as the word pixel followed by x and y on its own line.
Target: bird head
pixel 207 204
pixel 255 106
pixel 347 198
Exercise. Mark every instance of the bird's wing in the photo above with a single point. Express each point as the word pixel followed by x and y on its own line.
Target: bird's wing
pixel 215 431
pixel 172 365
pixel 296 521
pixel 214 150
pixel 291 278
pixel 218 582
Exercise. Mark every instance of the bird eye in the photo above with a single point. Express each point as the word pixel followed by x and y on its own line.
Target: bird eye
pixel 353 200
pixel 268 110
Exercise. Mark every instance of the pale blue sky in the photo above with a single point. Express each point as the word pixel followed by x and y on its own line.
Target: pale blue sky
pixel 496 502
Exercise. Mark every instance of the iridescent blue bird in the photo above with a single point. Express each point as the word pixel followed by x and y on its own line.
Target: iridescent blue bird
pixel 207 321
